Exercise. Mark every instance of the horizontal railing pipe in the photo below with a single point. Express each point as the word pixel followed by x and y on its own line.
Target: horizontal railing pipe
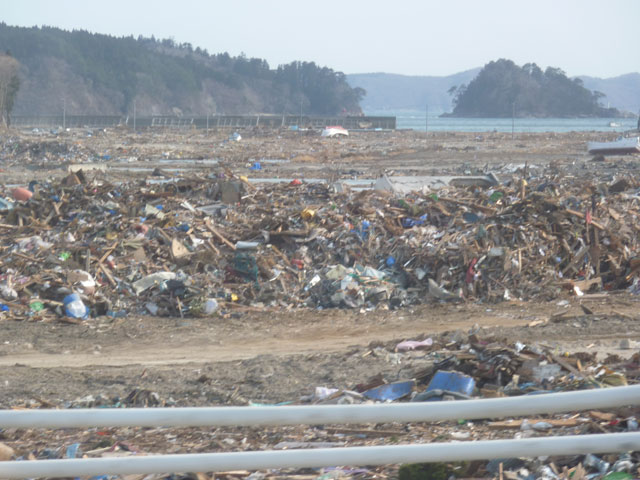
pixel 323 414
pixel 311 458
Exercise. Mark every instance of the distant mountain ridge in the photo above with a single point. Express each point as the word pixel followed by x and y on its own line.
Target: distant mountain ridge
pixel 623 91
pixel 387 91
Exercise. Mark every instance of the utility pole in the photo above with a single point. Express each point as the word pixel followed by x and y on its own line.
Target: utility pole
pixel 64 113
pixel 301 95
pixel 207 124
pixel 134 116
pixel 426 120
pixel 513 119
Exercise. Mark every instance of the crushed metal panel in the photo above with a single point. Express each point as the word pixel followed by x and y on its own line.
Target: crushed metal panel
pixel 406 184
pixel 621 146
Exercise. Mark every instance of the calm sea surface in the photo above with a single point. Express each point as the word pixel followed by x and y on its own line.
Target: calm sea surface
pixel 415 120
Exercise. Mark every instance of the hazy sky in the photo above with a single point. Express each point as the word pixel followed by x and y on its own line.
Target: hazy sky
pixel 413 37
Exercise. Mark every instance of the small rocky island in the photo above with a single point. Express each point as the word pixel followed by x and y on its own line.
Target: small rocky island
pixel 503 89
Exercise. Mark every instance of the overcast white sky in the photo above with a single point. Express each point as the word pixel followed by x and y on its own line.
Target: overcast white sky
pixel 413 37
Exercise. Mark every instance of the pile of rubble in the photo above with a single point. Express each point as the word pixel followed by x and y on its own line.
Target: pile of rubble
pixel 193 246
pixel 454 366
pixel 459 366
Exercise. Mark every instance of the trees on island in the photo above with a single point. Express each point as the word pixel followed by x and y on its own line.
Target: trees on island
pixel 502 88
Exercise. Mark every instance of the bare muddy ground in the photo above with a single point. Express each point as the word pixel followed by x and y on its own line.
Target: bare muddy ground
pixel 278 356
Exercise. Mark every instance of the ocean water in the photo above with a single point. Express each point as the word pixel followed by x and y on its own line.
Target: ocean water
pixel 415 120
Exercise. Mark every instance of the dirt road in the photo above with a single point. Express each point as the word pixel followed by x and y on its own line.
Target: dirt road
pixel 107 356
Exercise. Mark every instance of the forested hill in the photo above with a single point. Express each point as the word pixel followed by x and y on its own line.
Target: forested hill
pixel 91 73
pixel 502 89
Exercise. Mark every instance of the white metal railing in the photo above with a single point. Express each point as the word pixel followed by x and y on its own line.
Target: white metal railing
pixel 320 414
pixel 310 458
pixel 255 416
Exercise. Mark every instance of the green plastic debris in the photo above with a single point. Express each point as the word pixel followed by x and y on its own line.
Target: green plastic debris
pixel 36 306
pixel 618 476
pixel 64 256
pixel 495 196
pixel 433 196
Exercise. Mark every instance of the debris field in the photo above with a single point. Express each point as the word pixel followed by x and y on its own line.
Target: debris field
pixel 104 233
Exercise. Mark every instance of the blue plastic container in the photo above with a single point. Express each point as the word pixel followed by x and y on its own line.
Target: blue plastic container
pixel 74 307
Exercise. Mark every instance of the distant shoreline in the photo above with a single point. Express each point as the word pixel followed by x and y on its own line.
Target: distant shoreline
pixel 620 116
pixel 416 120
